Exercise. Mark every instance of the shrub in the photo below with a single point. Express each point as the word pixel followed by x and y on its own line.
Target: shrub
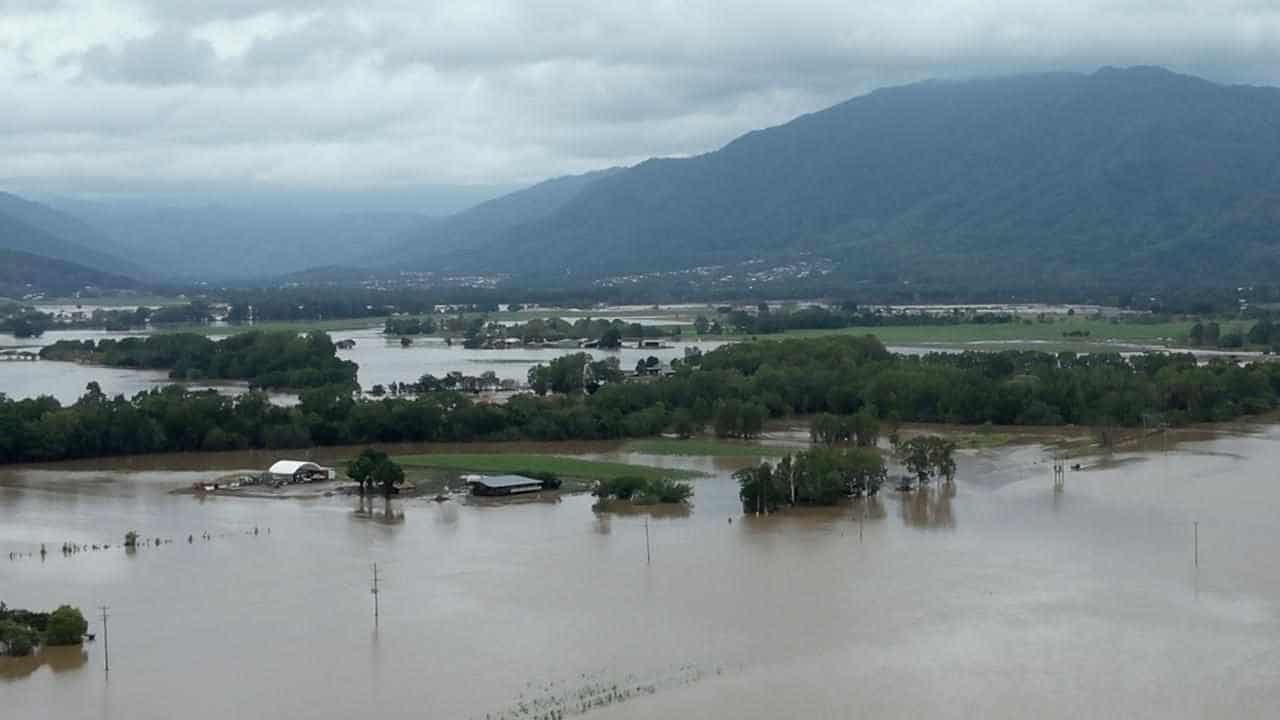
pixel 682 424
pixel 18 640
pixel 645 492
pixel 38 621
pixel 66 627
pixel 622 488
pixel 666 490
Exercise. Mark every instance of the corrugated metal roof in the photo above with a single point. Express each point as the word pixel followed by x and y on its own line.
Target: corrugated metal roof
pixel 502 481
pixel 289 467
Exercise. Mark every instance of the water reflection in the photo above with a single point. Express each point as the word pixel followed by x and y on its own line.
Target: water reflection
pixel 626 507
pixel 871 508
pixel 448 513
pixel 378 509
pixel 929 507
pixel 58 660
pixel 603 524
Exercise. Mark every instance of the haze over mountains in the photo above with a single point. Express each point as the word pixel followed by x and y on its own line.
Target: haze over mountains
pixel 36 229
pixel 1120 176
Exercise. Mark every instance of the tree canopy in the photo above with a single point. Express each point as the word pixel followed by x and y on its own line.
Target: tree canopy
pixel 735 388
pixel 266 359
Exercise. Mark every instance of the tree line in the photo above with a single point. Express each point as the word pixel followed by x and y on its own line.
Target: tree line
pixel 735 388
pixel 766 320
pixel 821 476
pixel 22 631
pixel 280 359
pixel 828 473
pixel 1265 333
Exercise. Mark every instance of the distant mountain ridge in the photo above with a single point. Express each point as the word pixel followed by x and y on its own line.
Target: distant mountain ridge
pixel 22 273
pixel 36 229
pixel 1124 175
pixel 217 242
pixel 463 232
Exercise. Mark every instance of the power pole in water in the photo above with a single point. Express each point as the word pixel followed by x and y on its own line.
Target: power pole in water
pixel 375 593
pixel 106 645
pixel 648 558
pixel 1059 474
pixel 1196 524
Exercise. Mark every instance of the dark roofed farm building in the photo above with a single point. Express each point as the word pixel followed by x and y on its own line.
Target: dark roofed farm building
pixel 502 485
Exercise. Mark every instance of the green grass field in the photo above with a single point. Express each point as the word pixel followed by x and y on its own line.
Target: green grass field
pixel 331 326
pixel 114 301
pixel 704 447
pixel 518 463
pixel 1169 333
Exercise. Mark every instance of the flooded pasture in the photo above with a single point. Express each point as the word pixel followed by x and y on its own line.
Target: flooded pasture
pixel 381 359
pixel 997 598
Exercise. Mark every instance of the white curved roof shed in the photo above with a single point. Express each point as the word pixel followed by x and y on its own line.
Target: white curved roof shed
pixel 291 467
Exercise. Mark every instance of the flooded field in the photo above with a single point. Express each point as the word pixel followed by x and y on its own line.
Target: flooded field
pixel 381 359
pixel 999 599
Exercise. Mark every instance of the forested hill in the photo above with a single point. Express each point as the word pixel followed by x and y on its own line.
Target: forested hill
pixel 36 229
pixel 482 225
pixel 1126 175
pixel 22 273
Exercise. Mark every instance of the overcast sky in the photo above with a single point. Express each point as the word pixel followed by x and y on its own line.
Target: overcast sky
pixel 369 94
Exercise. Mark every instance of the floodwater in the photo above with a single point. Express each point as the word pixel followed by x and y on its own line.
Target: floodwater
pixel 381 359
pixel 66 381
pixel 1000 598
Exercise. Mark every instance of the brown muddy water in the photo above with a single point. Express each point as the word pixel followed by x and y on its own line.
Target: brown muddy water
pixel 1000 599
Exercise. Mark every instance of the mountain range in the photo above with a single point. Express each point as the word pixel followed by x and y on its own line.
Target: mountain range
pixel 1122 175
pixel 240 239
pixel 1136 176
pixel 36 229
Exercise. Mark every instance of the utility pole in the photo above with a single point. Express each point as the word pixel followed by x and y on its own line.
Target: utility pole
pixel 1196 524
pixel 106 645
pixel 648 557
pixel 375 593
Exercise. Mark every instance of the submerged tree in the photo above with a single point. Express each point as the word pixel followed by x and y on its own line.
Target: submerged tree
pixel 926 457
pixel 821 476
pixel 758 489
pixel 373 467
pixel 67 626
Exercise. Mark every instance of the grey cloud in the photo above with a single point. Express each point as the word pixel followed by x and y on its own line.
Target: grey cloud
pixel 31 6
pixel 163 58
pixel 392 91
pixel 197 11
